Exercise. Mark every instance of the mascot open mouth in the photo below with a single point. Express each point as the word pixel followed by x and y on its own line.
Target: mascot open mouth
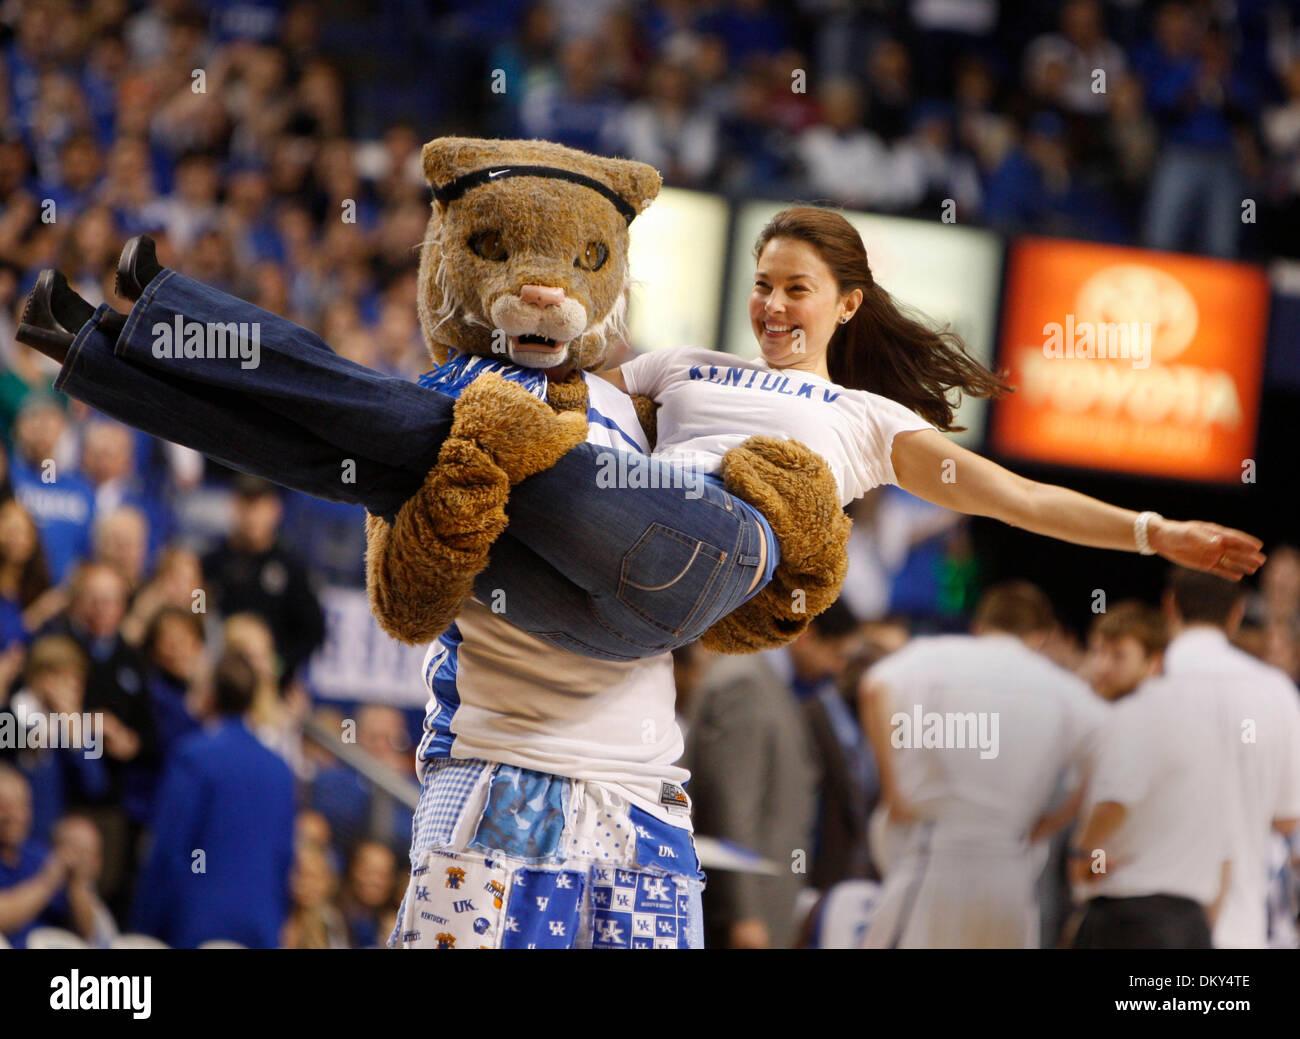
pixel 538 351
pixel 536 342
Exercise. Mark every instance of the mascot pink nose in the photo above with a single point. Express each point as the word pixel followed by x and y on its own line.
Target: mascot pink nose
pixel 542 295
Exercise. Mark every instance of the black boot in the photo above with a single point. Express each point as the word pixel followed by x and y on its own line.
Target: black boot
pixel 53 315
pixel 137 267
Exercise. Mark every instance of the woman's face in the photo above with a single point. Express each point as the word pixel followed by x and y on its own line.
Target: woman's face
pixel 795 305
pixel 17 533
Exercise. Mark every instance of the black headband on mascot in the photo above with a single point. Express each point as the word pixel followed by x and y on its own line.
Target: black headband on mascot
pixel 454 189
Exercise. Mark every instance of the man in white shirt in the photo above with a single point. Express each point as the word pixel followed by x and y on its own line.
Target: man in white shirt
pixel 1197 766
pixel 1203 612
pixel 972 735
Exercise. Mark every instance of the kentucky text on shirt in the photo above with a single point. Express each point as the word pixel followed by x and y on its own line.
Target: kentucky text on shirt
pixel 772 382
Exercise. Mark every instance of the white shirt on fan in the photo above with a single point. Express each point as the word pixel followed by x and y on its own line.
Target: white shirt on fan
pixel 710 402
pixel 1264 728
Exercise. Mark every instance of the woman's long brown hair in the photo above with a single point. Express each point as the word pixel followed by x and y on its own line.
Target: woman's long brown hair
pixel 883 348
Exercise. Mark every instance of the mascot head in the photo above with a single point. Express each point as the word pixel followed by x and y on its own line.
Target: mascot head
pixel 525 256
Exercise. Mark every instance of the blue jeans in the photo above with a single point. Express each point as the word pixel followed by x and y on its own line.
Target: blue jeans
pixel 605 570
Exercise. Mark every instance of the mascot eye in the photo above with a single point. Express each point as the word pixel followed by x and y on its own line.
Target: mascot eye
pixel 488 245
pixel 593 259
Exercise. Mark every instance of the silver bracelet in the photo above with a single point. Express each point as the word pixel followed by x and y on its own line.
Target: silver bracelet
pixel 1140 532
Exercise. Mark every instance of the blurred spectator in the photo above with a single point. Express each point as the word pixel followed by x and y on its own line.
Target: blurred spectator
pixel 931 174
pixel 1125 647
pixel 1198 95
pixel 121 540
pixel 275 716
pixel 108 461
pixel 251 573
pixel 972 797
pixel 844 159
pixel 66 770
pixel 39 886
pixel 1153 857
pixel 1261 714
pixel 890 87
pixel 175 677
pixel 315 921
pixel 1062 68
pixel 116 690
pixel 668 129
pixel 690 664
pixel 177 582
pixel 356 810
pixel 60 499
pixel 579 109
pixel 23 577
pixel 77 839
pixel 850 779
pixel 368 896
pixel 1036 186
pixel 888 524
pixel 222 838
pixel 173 649
pixel 754 778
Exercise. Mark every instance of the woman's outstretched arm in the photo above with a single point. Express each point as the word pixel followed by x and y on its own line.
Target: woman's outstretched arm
pixel 932 467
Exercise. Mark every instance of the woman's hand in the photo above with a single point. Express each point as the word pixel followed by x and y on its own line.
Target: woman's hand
pixel 1207 546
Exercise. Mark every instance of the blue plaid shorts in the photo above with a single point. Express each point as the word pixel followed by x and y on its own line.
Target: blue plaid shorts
pixel 506 857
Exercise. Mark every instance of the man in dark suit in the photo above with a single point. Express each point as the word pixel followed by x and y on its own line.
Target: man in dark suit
pixel 252 572
pixel 754 778
pixel 850 783
pixel 223 832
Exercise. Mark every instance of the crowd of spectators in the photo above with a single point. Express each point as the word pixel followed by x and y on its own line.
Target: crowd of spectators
pixel 273 151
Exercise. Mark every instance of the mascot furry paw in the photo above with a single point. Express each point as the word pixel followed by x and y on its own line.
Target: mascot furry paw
pixel 524 268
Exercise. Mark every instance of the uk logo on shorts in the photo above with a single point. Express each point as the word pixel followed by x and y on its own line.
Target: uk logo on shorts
pixel 638 909
pixel 544 909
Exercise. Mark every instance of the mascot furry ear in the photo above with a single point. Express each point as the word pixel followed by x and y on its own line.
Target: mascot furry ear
pixel 512 221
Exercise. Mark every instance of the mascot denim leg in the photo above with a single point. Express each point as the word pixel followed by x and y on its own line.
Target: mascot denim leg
pixel 237 430
pixel 506 857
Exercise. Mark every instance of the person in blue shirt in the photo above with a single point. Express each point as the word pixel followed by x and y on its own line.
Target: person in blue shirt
pixel 222 831
pixel 60 500
pixel 173 650
pixel 1201 96
pixel 24 577
pixel 37 886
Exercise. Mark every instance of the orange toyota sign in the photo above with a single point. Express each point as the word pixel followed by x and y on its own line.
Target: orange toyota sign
pixel 1131 360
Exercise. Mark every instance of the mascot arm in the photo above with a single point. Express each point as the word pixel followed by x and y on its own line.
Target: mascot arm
pixel 420 568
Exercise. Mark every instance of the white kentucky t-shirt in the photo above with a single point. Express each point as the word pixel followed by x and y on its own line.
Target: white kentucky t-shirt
pixel 501 694
pixel 710 402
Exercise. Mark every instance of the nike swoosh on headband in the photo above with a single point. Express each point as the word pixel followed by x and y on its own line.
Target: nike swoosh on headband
pixel 453 190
